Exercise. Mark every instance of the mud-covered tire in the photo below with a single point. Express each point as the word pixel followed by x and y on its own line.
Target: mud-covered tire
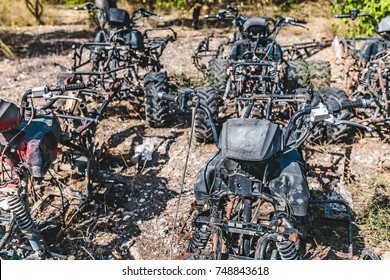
pixel 296 75
pixel 320 73
pixel 331 133
pixel 217 73
pixel 156 109
pixel 202 129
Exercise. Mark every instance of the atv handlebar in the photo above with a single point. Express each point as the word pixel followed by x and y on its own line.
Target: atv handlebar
pixel 353 14
pixel 229 13
pixel 317 114
pixel 293 20
pixel 145 13
pixel 335 107
pixel 45 91
pixel 87 7
pixel 343 16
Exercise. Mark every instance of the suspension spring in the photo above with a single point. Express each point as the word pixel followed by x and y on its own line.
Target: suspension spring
pixel 22 216
pixel 272 72
pixel 364 80
pixel 199 239
pixel 287 250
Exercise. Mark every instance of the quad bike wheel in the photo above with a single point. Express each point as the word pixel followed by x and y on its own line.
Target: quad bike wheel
pixel 217 73
pixel 320 73
pixel 202 129
pixel 156 109
pixel 331 133
pixel 296 75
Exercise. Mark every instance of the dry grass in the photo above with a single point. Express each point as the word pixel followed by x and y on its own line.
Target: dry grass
pixel 15 13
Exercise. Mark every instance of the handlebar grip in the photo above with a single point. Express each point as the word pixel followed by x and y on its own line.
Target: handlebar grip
pixel 210 16
pixel 343 16
pixel 150 14
pixel 75 86
pixel 359 103
pixel 300 21
pixel 335 107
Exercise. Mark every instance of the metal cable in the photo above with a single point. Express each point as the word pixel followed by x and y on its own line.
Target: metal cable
pixel 183 178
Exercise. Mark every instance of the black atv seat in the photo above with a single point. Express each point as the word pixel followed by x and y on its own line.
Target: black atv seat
pixel 9 115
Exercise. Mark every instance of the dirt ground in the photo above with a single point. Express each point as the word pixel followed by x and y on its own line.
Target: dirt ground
pixel 139 223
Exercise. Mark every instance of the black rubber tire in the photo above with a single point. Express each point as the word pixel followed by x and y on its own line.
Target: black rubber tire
pixel 202 129
pixel 331 133
pixel 320 73
pixel 296 75
pixel 217 73
pixel 156 109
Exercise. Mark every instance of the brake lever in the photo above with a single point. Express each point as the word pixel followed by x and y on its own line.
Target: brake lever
pixel 334 121
pixel 299 25
pixel 57 97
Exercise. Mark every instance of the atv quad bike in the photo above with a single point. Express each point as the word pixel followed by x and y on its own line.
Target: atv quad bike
pixel 368 74
pixel 251 196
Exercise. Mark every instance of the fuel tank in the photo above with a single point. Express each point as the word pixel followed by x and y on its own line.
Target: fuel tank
pixel 35 144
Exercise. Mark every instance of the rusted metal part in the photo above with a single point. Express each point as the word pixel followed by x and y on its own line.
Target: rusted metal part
pixel 215 241
pixel 306 49
pixel 183 255
pixel 294 237
pixel 230 206
pixel 383 88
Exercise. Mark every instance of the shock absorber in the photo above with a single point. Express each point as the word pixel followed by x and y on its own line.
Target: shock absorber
pixel 287 250
pixel 199 239
pixel 23 218
pixel 365 78
pixel 25 223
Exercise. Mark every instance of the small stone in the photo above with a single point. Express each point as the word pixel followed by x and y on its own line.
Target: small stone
pixel 386 164
pixel 134 252
pixel 116 255
pixel 142 200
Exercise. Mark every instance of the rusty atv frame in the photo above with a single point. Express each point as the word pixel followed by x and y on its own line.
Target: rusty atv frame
pixel 238 213
pixel 367 69
pixel 121 52
pixel 32 138
pixel 257 69
pixel 214 47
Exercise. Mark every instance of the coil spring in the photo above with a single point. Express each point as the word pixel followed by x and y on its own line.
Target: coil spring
pixel 364 80
pixel 272 72
pixel 287 250
pixel 23 218
pixel 199 239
